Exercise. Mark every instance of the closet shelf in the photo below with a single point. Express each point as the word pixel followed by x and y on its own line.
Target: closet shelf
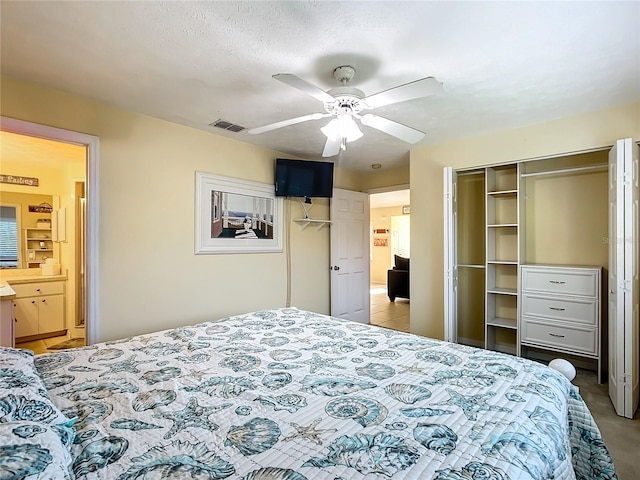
pixel 305 222
pixel 503 291
pixel 504 193
pixel 503 323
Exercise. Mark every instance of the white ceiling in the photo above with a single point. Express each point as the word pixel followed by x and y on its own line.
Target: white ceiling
pixel 503 64
pixel 396 198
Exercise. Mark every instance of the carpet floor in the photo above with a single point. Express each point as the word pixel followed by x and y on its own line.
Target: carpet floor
pixel 621 435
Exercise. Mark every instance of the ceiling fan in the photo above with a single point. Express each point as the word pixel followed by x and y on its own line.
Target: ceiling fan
pixel 345 103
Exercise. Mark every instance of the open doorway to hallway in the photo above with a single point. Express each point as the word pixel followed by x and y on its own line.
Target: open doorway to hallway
pixel 390 254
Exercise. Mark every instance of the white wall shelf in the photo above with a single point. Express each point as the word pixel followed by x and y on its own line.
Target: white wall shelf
pixel 305 222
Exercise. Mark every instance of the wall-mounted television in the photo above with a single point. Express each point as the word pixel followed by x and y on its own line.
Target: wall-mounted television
pixel 303 178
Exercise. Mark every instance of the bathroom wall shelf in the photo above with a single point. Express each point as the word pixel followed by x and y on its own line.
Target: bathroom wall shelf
pixel 38 246
pixel 305 222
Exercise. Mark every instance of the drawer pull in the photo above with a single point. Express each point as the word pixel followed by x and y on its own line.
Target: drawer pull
pixel 556 335
pixel 557 282
pixel 557 309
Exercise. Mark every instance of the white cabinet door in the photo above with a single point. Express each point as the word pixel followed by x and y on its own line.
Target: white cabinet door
pixel 25 311
pixel 6 324
pixel 51 313
pixel 350 255
pixel 623 278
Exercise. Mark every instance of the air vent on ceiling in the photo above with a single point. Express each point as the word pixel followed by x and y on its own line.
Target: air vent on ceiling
pixel 223 124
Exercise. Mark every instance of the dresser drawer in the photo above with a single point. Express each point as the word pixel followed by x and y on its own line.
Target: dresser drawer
pixel 569 309
pixel 562 337
pixel 561 281
pixel 38 288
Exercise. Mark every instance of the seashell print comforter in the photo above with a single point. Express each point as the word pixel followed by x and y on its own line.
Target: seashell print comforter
pixel 290 394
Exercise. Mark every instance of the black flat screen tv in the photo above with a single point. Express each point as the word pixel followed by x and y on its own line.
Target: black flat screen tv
pixel 303 178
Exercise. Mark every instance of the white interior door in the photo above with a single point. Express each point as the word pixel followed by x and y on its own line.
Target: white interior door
pixel 616 270
pixel 450 257
pixel 623 278
pixel 632 294
pixel 350 255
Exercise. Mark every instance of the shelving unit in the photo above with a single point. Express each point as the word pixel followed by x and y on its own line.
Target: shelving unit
pixel 38 245
pixel 503 238
pixel 305 222
pixel 517 236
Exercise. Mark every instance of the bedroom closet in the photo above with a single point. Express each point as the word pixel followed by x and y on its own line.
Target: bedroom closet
pixel 527 261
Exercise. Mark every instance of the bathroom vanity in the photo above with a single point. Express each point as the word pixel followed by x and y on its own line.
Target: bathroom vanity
pixel 37 306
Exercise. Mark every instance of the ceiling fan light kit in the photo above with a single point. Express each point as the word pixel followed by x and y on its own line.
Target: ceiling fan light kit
pixel 343 127
pixel 345 104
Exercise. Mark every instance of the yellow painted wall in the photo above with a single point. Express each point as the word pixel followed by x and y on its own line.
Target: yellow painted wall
pixel 381 255
pixel 583 132
pixel 383 178
pixel 149 278
pixel 566 216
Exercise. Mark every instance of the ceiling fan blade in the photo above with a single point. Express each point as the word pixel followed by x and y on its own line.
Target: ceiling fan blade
pixel 286 123
pixel 420 88
pixel 332 147
pixel 408 134
pixel 303 85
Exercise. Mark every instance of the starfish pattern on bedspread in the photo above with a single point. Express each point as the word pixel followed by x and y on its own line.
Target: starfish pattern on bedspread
pixel 309 432
pixel 242 335
pixel 129 365
pixel 317 362
pixel 414 369
pixel 471 405
pixel 193 415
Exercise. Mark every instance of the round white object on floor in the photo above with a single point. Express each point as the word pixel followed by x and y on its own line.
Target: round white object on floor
pixel 564 367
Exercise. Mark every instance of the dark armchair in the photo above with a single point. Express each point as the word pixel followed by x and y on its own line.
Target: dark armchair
pixel 398 279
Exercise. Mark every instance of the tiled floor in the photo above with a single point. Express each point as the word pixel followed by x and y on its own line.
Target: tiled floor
pixel 384 313
pixel 41 346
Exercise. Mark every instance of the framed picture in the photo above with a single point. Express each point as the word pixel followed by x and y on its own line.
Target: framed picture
pixel 406 209
pixel 236 216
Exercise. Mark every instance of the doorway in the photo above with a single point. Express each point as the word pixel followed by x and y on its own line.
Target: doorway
pixel 389 256
pixel 84 179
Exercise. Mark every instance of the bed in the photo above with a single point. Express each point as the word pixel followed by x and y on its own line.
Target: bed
pixel 293 395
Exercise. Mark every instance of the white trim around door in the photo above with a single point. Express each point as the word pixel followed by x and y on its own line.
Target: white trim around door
pixel 92 144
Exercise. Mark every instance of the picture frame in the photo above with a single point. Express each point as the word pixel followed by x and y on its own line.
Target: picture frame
pixel 406 209
pixel 236 216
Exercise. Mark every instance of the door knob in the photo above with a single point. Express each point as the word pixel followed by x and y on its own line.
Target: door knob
pixel 336 267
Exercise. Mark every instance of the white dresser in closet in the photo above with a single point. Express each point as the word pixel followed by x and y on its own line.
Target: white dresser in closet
pixel 561 309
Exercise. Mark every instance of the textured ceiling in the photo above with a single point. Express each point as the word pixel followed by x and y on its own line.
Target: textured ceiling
pixel 503 64
pixel 38 152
